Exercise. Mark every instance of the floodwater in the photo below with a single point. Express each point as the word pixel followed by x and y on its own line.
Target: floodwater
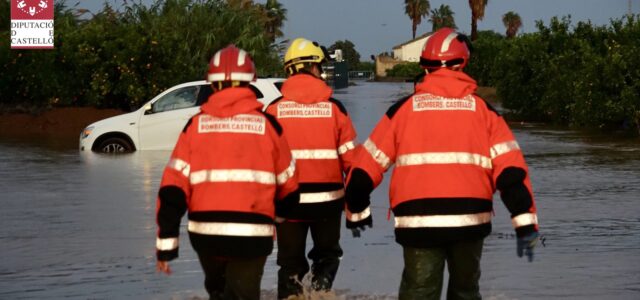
pixel 81 225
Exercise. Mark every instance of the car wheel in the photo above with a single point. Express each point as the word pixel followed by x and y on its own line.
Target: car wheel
pixel 114 145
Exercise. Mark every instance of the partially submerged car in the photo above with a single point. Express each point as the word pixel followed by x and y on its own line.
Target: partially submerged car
pixel 157 124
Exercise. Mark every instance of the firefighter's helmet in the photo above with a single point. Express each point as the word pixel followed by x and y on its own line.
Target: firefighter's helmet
pixel 231 64
pixel 301 54
pixel 445 48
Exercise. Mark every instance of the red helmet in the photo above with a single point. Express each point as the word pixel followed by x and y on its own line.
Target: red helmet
pixel 445 48
pixel 231 64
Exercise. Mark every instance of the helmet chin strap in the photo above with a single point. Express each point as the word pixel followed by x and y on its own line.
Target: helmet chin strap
pixel 320 72
pixel 452 68
pixel 220 85
pixel 317 72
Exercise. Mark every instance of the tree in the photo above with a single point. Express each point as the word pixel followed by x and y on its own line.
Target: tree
pixel 442 17
pixel 121 58
pixel 349 53
pixel 512 22
pixel 405 70
pixel 416 10
pixel 241 4
pixel 275 15
pixel 477 13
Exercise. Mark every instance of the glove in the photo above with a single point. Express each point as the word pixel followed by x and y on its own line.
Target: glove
pixel 357 230
pixel 526 244
pixel 360 226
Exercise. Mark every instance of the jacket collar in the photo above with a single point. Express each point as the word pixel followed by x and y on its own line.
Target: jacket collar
pixel 304 88
pixel 231 101
pixel 447 83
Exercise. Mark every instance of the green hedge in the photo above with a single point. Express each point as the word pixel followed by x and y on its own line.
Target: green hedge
pixel 122 58
pixel 407 70
pixel 582 75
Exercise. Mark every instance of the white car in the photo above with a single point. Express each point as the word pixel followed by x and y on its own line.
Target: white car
pixel 157 124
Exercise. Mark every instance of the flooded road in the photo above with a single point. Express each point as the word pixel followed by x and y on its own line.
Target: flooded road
pixel 81 226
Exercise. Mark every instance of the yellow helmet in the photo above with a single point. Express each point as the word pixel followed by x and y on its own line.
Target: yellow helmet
pixel 302 53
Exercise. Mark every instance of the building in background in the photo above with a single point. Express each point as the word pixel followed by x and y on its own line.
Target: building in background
pixel 408 51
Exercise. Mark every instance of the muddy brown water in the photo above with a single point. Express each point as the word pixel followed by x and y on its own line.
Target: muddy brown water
pixel 81 225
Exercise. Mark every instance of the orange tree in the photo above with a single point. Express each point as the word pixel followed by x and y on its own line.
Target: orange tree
pixel 121 58
pixel 583 75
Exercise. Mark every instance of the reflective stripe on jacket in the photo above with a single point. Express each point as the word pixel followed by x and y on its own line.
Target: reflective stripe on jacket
pixel 450 150
pixel 233 171
pixel 322 140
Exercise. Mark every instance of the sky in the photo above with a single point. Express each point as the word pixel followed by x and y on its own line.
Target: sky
pixel 376 26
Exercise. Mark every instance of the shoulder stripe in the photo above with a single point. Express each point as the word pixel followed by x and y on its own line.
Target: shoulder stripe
pixel 489 106
pixel 396 106
pixel 274 122
pixel 186 126
pixel 339 105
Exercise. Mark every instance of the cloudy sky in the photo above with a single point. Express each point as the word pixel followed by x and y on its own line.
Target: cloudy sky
pixel 375 26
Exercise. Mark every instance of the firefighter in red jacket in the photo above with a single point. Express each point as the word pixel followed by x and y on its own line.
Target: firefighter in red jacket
pixel 322 140
pixel 232 170
pixel 451 151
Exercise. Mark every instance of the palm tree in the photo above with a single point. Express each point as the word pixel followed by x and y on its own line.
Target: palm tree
pixel 512 22
pixel 416 10
pixel 442 17
pixel 477 13
pixel 276 15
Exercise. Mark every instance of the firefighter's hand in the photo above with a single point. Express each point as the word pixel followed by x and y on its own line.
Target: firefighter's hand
pixel 358 227
pixel 357 230
pixel 163 267
pixel 526 244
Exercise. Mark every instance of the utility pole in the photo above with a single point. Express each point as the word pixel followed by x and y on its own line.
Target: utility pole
pixel 629 1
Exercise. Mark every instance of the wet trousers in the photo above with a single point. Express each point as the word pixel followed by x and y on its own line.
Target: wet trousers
pixel 424 267
pixel 232 278
pixel 325 254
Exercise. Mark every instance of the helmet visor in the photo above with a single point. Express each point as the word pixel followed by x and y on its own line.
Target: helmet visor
pixel 428 63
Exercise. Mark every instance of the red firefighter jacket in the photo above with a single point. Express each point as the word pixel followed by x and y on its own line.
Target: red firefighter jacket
pixel 322 141
pixel 451 150
pixel 232 170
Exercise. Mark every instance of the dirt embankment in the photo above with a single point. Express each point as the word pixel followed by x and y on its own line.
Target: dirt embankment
pixel 63 123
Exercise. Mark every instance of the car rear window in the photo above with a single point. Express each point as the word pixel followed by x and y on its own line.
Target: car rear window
pixel 205 92
pixel 279 84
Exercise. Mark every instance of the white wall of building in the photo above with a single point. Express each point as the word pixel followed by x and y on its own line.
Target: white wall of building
pixel 409 51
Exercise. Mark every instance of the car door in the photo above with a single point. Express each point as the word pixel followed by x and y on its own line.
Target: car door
pixel 160 126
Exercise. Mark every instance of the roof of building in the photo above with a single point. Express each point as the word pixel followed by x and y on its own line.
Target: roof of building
pixel 411 41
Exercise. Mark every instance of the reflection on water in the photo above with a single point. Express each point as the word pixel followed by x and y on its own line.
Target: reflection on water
pixel 82 226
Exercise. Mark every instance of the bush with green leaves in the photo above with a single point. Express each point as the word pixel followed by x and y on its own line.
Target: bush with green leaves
pixel 582 75
pixel 484 56
pixel 408 70
pixel 122 58
pixel 41 78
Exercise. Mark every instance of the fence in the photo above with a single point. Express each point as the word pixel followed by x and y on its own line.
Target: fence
pixel 361 75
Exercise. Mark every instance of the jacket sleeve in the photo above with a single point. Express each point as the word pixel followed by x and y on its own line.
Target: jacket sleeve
pixel 287 194
pixel 511 175
pixel 346 141
pixel 374 157
pixel 172 199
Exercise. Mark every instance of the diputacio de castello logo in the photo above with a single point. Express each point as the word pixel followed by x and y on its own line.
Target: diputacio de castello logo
pixel 31 24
